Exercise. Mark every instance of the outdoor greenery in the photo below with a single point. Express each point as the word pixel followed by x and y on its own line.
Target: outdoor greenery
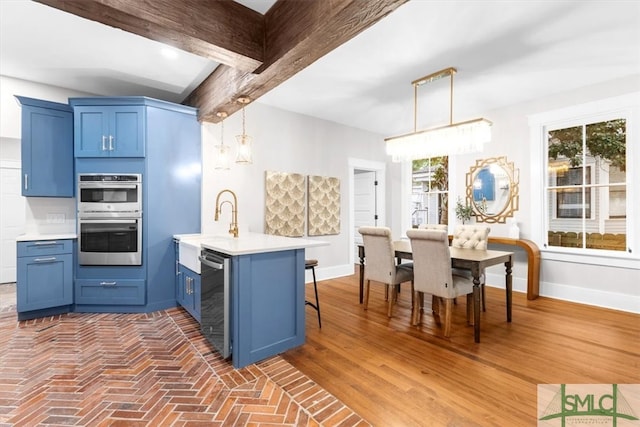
pixel 439 181
pixel 606 140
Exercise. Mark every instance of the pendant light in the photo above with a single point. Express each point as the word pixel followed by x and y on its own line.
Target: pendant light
pixel 222 159
pixel 243 147
pixel 454 138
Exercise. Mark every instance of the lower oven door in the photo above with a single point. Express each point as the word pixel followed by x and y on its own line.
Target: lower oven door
pixel 110 241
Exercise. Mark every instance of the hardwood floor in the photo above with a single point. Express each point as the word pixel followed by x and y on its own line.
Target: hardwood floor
pixel 394 374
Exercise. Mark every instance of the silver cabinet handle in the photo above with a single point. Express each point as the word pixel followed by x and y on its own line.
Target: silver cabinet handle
pixel 104 143
pixel 108 283
pixel 110 142
pixel 26 181
pixel 49 259
pixel 47 243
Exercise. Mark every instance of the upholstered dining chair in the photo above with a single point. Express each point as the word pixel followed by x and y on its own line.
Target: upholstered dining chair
pixel 442 227
pixel 432 274
pixel 380 264
pixel 472 237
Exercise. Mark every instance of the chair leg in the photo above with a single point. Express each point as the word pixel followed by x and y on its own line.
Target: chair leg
pixel 447 316
pixel 435 308
pixel 316 306
pixel 415 312
pixel 484 299
pixel 469 309
pixel 392 300
pixel 366 294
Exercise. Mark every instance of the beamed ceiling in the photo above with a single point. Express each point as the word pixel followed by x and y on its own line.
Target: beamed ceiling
pixel 256 52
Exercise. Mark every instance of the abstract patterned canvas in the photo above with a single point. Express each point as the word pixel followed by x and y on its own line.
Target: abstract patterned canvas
pixel 284 204
pixel 324 205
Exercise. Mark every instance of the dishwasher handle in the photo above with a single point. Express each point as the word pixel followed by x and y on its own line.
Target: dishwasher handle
pixel 208 262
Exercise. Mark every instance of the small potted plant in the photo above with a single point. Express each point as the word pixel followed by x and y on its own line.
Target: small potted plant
pixel 463 211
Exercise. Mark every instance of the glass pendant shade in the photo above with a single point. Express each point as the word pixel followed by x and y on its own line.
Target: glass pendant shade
pixel 243 145
pixel 222 160
pixel 243 149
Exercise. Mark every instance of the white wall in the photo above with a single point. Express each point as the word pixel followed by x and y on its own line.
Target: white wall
pixel 285 142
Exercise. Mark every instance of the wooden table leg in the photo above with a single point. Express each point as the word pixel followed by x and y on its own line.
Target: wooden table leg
pixel 361 256
pixel 508 287
pixel 476 307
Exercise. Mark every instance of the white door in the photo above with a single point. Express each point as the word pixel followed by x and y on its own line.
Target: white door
pixel 12 218
pixel 364 201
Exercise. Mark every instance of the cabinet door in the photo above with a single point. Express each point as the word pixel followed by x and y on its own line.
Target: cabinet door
pixel 44 282
pixel 47 149
pixel 113 131
pixel 126 132
pixel 91 129
pixel 189 291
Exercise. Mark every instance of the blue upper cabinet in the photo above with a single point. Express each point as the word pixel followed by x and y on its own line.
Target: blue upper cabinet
pixel 109 131
pixel 47 148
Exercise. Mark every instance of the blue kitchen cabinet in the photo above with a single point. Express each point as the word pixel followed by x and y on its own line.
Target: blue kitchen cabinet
pixel 163 144
pixel 96 294
pixel 267 300
pixel 109 131
pixel 46 148
pixel 189 291
pixel 44 277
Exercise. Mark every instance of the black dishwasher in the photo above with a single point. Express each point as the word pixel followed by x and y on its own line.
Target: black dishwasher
pixel 215 302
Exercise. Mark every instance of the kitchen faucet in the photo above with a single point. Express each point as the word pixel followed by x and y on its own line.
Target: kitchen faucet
pixel 233 227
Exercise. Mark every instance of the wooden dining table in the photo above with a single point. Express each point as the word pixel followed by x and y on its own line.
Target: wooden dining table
pixel 469 259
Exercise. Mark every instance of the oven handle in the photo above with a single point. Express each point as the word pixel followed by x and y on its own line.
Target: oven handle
pixel 105 186
pixel 216 265
pixel 109 221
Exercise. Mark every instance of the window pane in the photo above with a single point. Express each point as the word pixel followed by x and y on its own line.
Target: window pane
pixel 429 197
pixel 587 188
pixel 565 151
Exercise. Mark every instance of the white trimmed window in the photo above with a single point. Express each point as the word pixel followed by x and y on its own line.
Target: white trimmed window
pixel 429 191
pixel 583 178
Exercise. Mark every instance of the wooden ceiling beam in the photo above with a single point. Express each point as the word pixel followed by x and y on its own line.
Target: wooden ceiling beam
pixel 221 30
pixel 297 34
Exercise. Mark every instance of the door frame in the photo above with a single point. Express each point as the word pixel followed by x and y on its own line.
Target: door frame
pixel 372 166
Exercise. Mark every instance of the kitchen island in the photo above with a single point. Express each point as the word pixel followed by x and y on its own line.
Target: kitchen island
pixel 265 295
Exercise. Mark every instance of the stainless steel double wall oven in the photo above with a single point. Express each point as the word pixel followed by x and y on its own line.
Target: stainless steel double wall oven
pixel 110 219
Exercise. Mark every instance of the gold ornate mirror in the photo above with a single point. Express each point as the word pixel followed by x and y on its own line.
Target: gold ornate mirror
pixel 492 189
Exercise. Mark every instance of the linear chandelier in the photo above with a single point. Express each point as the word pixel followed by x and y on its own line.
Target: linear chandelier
pixel 455 138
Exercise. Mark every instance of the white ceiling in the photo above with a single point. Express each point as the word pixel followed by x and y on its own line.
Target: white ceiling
pixel 506 52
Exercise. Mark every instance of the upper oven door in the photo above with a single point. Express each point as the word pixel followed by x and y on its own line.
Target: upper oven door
pixel 102 198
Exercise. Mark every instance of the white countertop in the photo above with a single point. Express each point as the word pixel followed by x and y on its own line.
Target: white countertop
pixel 247 243
pixel 29 237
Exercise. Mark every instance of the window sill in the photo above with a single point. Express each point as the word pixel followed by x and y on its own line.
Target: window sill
pixel 591 257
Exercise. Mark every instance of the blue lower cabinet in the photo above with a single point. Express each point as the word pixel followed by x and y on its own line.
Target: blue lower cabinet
pixel 110 292
pixel 189 292
pixel 267 305
pixel 44 277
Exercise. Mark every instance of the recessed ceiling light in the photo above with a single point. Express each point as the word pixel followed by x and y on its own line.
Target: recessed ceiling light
pixel 169 53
